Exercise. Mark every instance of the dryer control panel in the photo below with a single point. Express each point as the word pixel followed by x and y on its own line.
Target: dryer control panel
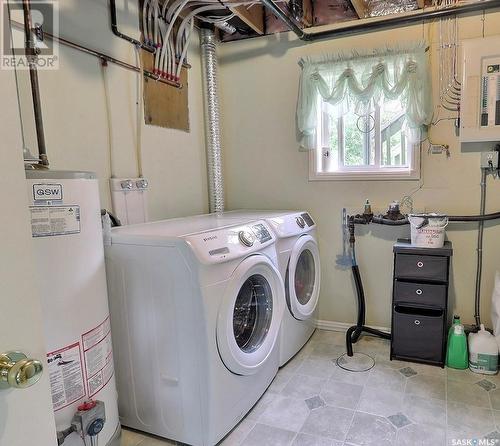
pixel 232 242
pixel 292 224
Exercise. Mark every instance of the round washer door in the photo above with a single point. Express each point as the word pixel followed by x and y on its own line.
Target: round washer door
pixel 250 315
pixel 303 278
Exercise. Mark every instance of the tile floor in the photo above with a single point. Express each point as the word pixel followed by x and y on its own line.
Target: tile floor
pixel 312 402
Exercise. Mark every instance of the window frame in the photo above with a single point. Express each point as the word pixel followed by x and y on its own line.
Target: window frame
pixel 361 173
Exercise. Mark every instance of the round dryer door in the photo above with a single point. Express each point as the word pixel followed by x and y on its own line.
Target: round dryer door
pixel 303 278
pixel 250 315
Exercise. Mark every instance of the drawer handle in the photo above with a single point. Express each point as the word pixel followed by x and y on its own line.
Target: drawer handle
pixel 420 264
pixel 419 291
pixel 417 322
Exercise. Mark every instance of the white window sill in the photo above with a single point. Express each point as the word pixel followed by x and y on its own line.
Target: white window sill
pixel 364 176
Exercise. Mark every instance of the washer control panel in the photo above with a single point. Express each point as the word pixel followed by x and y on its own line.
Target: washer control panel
pixel 261 232
pixel 231 242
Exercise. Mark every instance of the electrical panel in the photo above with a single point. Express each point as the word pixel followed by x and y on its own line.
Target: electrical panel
pixel 480 102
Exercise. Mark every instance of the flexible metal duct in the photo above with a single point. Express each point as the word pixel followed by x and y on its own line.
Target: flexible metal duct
pixel 212 120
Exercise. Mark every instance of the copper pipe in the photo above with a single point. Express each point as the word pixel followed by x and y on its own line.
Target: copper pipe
pixel 105 57
pixel 31 55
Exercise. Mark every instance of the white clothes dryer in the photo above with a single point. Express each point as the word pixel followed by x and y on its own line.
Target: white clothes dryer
pixel 196 306
pixel 299 265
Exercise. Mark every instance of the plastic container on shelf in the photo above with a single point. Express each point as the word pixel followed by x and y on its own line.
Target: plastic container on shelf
pixel 428 230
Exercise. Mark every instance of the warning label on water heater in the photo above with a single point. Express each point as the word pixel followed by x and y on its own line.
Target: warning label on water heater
pixel 66 376
pixel 47 221
pixel 98 354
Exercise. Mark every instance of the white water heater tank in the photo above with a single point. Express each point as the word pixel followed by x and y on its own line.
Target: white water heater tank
pixel 71 279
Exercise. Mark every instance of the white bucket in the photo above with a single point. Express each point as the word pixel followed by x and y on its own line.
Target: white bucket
pixel 427 231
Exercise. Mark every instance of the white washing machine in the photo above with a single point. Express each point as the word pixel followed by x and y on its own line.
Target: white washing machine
pixel 299 265
pixel 196 305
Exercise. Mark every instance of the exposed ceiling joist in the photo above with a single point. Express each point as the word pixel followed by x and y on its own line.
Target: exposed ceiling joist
pixel 360 8
pixel 252 16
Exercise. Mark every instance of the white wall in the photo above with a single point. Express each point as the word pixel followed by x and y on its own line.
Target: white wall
pixel 264 169
pixel 75 115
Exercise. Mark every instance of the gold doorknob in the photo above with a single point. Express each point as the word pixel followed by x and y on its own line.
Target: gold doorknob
pixel 19 371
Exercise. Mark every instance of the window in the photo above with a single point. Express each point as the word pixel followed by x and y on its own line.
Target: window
pixel 373 146
pixel 363 114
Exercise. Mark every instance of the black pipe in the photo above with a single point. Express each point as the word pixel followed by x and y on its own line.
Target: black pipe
pixel 388 221
pixel 31 55
pixel 467 218
pixel 292 25
pixel 376 25
pixel 116 32
pixel 360 220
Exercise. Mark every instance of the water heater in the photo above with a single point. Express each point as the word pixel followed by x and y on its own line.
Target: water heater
pixel 480 101
pixel 71 279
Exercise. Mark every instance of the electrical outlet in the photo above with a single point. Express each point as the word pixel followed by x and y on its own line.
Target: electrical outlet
pixel 436 149
pixel 489 160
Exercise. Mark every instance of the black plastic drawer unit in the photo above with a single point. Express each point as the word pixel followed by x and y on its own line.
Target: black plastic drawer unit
pixel 419 303
pixel 417 330
pixel 420 293
pixel 418 267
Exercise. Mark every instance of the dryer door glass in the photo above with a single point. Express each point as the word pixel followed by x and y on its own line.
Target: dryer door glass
pixel 305 274
pixel 252 313
pixel 303 278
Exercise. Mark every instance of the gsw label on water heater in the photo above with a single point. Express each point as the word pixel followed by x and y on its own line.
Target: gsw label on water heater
pixel 47 192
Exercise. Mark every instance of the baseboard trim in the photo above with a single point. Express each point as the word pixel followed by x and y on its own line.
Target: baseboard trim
pixel 343 326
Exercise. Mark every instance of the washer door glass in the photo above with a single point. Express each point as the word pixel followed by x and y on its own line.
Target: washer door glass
pixel 252 314
pixel 305 274
pixel 249 317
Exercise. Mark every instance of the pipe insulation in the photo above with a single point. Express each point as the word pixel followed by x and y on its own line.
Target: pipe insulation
pixel 208 46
